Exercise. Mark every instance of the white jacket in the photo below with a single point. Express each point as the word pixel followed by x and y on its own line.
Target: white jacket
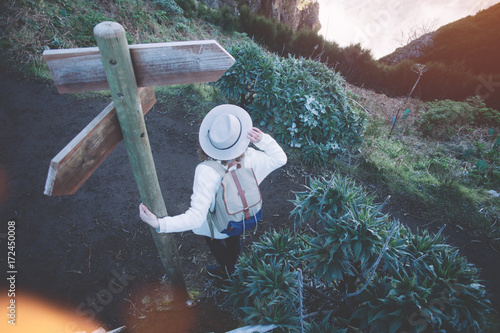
pixel 207 182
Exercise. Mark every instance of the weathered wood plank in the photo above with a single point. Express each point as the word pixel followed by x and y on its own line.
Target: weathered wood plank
pixel 155 64
pixel 80 158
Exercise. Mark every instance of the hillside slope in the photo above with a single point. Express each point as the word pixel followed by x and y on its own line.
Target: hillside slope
pixel 472 41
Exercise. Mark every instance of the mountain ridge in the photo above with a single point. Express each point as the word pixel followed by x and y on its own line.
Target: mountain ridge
pixel 471 41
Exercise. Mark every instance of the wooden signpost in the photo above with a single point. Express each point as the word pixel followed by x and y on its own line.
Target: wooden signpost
pixel 124 69
pixel 81 157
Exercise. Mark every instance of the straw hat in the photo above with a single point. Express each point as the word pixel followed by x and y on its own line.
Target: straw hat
pixel 223 132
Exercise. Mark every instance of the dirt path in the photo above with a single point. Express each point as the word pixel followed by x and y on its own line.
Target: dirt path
pixel 70 249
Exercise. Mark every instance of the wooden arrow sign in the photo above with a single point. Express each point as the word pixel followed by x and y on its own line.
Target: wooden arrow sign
pixel 81 157
pixel 155 64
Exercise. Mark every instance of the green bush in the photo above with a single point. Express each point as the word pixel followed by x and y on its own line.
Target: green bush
pixel 301 101
pixel 483 116
pixel 228 21
pixel 284 35
pixel 170 7
pixel 485 161
pixel 245 17
pixel 432 288
pixel 443 118
pixel 264 30
pixel 188 7
pixel 328 198
pixel 307 43
pixel 368 272
pixel 264 286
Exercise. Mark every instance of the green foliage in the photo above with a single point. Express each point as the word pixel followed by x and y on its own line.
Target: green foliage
pixel 188 98
pixel 188 7
pixel 483 116
pixel 446 180
pixel 301 101
pixel 443 118
pixel 284 35
pixel 228 21
pixel 82 27
pixel 279 245
pixel 333 198
pixel 485 161
pixel 264 287
pixel 433 288
pixel 306 43
pixel 394 280
pixel 223 16
pixel 345 247
pixel 324 326
pixel 169 7
pixel 264 29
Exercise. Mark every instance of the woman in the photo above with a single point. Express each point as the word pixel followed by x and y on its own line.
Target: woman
pixel 224 136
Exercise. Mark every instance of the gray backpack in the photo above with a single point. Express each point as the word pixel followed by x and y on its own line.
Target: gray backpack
pixel 238 201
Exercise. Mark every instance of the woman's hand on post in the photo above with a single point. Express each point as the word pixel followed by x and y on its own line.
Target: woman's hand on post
pixel 148 217
pixel 255 135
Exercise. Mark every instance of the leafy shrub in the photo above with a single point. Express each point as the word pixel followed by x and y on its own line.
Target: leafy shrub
pixel 188 7
pixel 228 20
pixel 485 161
pixel 374 275
pixel 264 29
pixel 307 43
pixel 301 101
pixel 433 288
pixel 332 198
pixel 245 17
pixel 284 35
pixel 170 7
pixel 264 287
pixel 443 118
pixel 324 326
pixel 484 116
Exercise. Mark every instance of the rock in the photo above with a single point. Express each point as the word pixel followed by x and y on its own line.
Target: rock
pixel 297 14
pixel 413 50
pixel 494 193
pixel 309 17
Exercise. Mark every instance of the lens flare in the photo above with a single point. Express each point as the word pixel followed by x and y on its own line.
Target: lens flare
pixel 25 313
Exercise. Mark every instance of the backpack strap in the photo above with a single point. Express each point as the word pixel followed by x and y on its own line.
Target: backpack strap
pixel 222 171
pixel 241 194
pixel 216 166
pixel 233 163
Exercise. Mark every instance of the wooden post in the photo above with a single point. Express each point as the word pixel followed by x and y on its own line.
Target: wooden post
pixel 112 43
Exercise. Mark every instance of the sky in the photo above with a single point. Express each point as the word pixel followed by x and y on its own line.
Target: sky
pixel 379 24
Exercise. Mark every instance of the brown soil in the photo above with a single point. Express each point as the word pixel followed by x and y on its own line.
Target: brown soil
pixel 73 250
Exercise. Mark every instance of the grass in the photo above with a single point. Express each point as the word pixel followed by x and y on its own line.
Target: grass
pixel 427 174
pixel 194 99
pixel 29 27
